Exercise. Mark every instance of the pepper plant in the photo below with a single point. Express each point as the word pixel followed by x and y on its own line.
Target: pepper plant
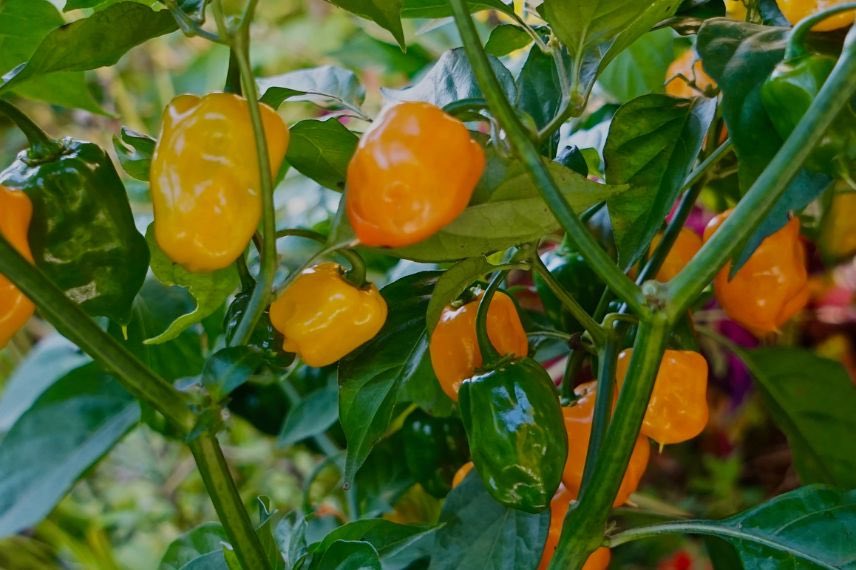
pixel 547 333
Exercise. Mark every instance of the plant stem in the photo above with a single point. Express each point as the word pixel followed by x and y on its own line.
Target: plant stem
pixel 489 354
pixel 518 137
pixel 227 502
pixel 73 323
pixel 589 324
pixel 770 185
pixel 585 524
pixel 603 401
pixel 42 147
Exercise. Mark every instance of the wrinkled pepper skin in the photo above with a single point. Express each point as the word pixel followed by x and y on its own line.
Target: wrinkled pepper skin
pixel 788 93
pixel 677 410
pixel 597 560
pixel 323 317
pixel 15 308
pixel 454 346
pixel 686 246
pixel 796 10
pixel 578 421
pixel 514 427
pixel 686 68
pixel 570 269
pixel 771 287
pixel 434 450
pixel 82 234
pixel 264 336
pixel 413 172
pixel 204 178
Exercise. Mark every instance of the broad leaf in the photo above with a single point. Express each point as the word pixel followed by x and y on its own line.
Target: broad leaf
pixel 316 412
pixel 92 42
pixel 386 13
pixel 812 400
pixel 135 152
pixel 347 555
pixel 203 543
pixel 451 79
pixel 640 68
pixel 505 39
pixel 652 145
pixel 321 150
pixel 452 283
pixel 740 56
pixel 66 430
pixel 209 289
pixel 388 538
pixel 327 86
pixel 441 9
pixel 383 479
pixel 229 368
pixel 478 532
pixel 539 91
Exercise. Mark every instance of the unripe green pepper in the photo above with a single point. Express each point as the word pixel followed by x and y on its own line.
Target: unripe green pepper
pixel 516 433
pixel 575 276
pixel 434 449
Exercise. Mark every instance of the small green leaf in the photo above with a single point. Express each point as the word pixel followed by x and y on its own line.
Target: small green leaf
pixel 209 289
pixel 386 13
pixel 441 9
pixel 316 412
pixel 204 544
pixel 452 283
pixel 230 367
pixel 505 39
pixel 135 152
pixel 327 86
pixel 321 150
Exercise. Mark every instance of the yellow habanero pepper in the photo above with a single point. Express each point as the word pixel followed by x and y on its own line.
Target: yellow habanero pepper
pixel 15 308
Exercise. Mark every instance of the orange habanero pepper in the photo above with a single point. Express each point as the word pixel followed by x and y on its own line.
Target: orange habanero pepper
pixel 15 308
pixel 796 10
pixel 597 560
pixel 684 249
pixel 686 69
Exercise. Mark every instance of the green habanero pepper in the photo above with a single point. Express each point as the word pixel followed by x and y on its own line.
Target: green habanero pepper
pixel 82 233
pixel 264 336
pixel 573 273
pixel 434 449
pixel 516 433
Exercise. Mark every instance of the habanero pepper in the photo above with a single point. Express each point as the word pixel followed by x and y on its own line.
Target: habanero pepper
pixel 205 184
pixel 454 346
pixel 597 560
pixel 677 410
pixel 323 317
pixel 686 78
pixel 570 269
pixel 686 246
pixel 578 419
pixel 413 172
pixel 771 287
pixel 15 308
pixel 513 421
pixel 796 10
pixel 434 450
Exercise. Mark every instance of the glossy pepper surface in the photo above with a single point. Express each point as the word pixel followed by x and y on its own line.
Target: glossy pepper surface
pixel 434 450
pixel 454 346
pixel 413 172
pixel 15 308
pixel 323 317
pixel 204 177
pixel 771 287
pixel 597 560
pixel 514 427
pixel 570 269
pixel 677 410
pixel 686 69
pixel 578 421
pixel 796 10
pixel 683 250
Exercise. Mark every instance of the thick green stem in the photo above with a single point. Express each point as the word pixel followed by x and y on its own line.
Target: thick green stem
pixel 571 304
pixel 796 42
pixel 227 502
pixel 770 185
pixel 70 320
pixel 523 146
pixel 585 523
pixel 607 356
pixel 489 354
pixel 42 147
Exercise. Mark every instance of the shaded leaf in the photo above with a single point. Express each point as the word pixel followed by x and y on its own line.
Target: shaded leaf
pixel 441 9
pixel 321 150
pixel 134 151
pixel 203 542
pixel 539 89
pixel 640 68
pixel 230 367
pixel 386 13
pixel 347 555
pixel 326 86
pixel 505 39
pixel 315 413
pixel 388 538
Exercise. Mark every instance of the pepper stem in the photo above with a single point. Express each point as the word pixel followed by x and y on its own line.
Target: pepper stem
pixel 796 43
pixel 490 356
pixel 357 273
pixel 42 147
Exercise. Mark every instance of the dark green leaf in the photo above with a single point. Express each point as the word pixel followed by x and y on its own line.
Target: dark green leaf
pixel 384 477
pixel 205 542
pixel 230 367
pixel 652 145
pixel 135 152
pixel 478 532
pixel 441 9
pixel 327 86
pixel 386 13
pixel 452 283
pixel 539 88
pixel 451 79
pixel 209 289
pixel 315 413
pixel 93 42
pixel 66 430
pixel 812 400
pixel 505 39
pixel 347 555
pixel 321 150
pixel 387 537
pixel 640 68
pixel 371 377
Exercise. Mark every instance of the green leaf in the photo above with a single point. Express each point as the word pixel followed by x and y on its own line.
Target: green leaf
pixel 315 413
pixel 209 289
pixel 135 152
pixel 388 538
pixel 204 542
pixel 347 555
pixel 652 145
pixel 230 367
pixel 66 430
pixel 478 532
pixel 441 9
pixel 386 13
pixel 505 39
pixel 266 530
pixel 812 400
pixel 810 528
pixel 327 86
pixel 321 150
pixel 539 88
pixel 512 214
pixel 596 31
pixel 452 283
pixel 384 478
pixel 371 377
pixel 92 42
pixel 451 79
pixel 81 4
pixel 640 68
pixel 740 56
